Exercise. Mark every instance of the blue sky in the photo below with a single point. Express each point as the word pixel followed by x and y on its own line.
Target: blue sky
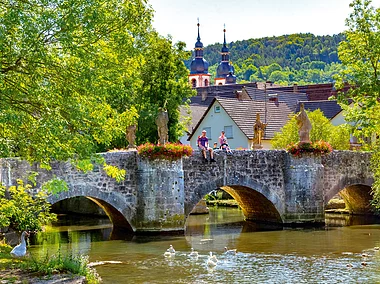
pixel 245 19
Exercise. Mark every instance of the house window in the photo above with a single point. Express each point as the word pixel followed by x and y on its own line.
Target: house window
pixel 194 83
pixel 206 83
pixel 217 109
pixel 208 132
pixel 228 131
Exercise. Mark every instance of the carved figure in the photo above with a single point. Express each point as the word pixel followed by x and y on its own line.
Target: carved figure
pixel 131 136
pixel 304 125
pixel 258 131
pixel 162 126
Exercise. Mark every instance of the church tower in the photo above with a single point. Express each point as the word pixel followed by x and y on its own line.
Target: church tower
pixel 199 76
pixel 225 70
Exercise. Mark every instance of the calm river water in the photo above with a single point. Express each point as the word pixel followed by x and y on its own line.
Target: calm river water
pixel 335 254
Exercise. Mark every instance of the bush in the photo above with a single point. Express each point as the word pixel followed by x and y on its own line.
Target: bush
pixel 169 151
pixel 316 148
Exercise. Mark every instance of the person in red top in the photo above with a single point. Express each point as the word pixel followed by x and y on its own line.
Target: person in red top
pixel 203 146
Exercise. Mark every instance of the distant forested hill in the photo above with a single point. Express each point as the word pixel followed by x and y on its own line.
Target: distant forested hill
pixel 287 59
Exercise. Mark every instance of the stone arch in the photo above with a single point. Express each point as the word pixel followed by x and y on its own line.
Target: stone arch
pixel 257 201
pixel 355 191
pixel 345 182
pixel 357 198
pixel 112 203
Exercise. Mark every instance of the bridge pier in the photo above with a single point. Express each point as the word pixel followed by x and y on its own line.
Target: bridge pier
pixel 304 196
pixel 160 198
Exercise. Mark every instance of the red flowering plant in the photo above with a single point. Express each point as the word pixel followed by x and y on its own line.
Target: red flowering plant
pixel 316 148
pixel 169 151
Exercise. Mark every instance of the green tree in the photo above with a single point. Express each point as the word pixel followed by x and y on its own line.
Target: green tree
pixel 61 64
pixel 360 55
pixel 322 129
pixel 20 211
pixel 165 84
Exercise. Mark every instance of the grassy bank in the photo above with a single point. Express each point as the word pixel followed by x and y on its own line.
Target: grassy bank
pixel 31 270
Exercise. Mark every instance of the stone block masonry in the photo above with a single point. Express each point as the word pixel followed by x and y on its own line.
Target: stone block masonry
pixel 157 196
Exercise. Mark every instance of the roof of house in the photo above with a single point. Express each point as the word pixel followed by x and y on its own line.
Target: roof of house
pixel 205 95
pixel 290 98
pixel 243 113
pixel 329 108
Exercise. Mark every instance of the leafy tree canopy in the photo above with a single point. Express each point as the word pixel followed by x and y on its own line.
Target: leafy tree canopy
pixel 75 74
pixel 61 62
pixel 322 129
pixel 360 55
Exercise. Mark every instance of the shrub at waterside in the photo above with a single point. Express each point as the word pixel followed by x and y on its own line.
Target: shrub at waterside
pixel 169 151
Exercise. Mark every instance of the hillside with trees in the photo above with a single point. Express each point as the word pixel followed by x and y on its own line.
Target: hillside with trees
pixel 287 59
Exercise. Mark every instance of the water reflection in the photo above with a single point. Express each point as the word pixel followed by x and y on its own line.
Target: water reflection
pixel 281 256
pixel 339 220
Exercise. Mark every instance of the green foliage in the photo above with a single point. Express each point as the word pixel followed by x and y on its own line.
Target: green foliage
pixel 114 172
pixel 22 211
pixel 360 54
pixel 337 136
pixel 169 151
pixel 64 67
pixel 315 148
pixel 287 59
pixel 55 186
pixel 165 84
pixel 50 264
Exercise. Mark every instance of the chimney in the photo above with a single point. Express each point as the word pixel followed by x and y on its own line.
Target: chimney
pixel 239 95
pixel 295 88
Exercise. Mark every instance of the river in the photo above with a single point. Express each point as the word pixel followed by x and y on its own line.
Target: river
pixel 333 254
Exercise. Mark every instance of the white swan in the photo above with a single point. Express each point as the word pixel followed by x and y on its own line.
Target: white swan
pixel 212 260
pixel 171 249
pixel 168 253
pixel 20 249
pixel 229 251
pixel 193 253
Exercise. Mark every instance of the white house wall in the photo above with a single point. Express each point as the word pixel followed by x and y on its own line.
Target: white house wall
pixel 217 121
pixel 338 119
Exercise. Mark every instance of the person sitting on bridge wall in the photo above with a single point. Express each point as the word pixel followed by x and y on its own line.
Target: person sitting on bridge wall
pixel 203 146
pixel 223 143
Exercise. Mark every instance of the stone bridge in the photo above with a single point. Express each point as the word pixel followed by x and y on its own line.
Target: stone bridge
pixel 157 196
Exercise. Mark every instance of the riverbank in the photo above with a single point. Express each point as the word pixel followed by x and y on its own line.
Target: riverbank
pixel 223 203
pixel 20 276
pixel 54 269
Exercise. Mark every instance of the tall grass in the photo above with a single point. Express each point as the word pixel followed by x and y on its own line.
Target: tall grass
pixel 50 264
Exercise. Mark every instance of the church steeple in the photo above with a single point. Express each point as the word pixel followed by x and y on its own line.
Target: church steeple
pixel 199 76
pixel 225 70
pixel 225 52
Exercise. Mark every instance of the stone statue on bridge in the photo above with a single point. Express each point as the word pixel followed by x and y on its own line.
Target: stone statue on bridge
pixel 258 132
pixel 304 125
pixel 162 126
pixel 131 136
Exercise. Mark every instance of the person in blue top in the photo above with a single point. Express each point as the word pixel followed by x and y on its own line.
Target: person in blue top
pixel 203 146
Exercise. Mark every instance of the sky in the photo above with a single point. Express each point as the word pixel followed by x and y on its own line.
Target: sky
pixel 246 19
